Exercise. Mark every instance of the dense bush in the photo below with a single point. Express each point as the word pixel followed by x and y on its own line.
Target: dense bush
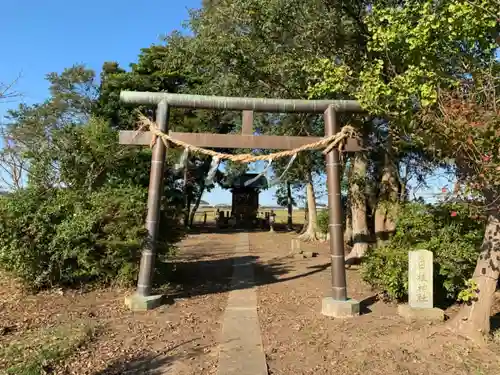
pixel 323 221
pixel 77 215
pixel 63 236
pixel 324 217
pixel 444 229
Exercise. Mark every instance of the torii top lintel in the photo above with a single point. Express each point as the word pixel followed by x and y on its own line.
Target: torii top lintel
pixel 241 104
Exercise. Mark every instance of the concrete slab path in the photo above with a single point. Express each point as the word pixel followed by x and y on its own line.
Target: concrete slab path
pixel 241 351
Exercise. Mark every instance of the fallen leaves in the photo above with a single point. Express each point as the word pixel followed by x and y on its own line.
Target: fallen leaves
pixel 179 336
pixel 299 340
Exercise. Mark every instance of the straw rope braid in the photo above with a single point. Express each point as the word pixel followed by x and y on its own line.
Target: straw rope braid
pixel 328 143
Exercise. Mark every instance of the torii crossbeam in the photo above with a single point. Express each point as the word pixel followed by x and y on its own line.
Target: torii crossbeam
pixel 337 304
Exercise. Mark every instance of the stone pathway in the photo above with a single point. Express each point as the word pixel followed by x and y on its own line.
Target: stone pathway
pixel 241 350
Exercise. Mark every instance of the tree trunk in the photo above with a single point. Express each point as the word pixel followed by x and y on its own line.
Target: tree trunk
pixel 306 217
pixel 394 191
pixel 473 321
pixel 187 199
pixel 347 208
pixel 196 205
pixel 312 221
pixel 187 211
pixel 348 223
pixel 387 205
pixel 384 221
pixel 403 194
pixel 360 231
pixel 379 221
pixel 289 206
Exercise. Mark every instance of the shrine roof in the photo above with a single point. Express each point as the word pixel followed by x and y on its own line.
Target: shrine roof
pixel 239 182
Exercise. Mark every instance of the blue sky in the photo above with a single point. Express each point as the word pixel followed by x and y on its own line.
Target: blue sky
pixel 45 36
pixel 42 37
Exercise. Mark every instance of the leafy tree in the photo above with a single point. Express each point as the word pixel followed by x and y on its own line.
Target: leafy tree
pixel 81 216
pixel 413 49
pixel 29 135
pixel 418 52
pixel 156 70
pixel 465 128
pixel 259 48
pixel 164 68
pixel 375 186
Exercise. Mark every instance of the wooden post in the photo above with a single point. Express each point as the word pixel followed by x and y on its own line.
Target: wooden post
pixel 247 123
pixel 339 289
pixel 146 268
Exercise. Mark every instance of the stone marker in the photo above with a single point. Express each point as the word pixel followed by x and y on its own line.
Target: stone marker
pixel 420 288
pixel 420 279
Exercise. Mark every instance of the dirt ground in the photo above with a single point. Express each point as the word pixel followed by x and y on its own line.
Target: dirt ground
pixel 178 338
pixel 181 337
pixel 299 340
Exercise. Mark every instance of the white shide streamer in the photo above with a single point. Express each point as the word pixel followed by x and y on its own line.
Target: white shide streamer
pixel 183 160
pixel 274 181
pixel 252 180
pixel 211 172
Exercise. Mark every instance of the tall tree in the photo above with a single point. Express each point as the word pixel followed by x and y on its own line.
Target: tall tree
pixel 161 68
pixel 30 133
pixel 56 141
pixel 465 127
pixel 259 48
pixel 417 50
pixel 8 91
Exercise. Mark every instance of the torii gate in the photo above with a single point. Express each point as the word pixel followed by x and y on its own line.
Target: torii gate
pixel 338 305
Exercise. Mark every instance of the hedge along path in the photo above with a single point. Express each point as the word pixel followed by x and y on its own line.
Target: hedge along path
pixel 327 143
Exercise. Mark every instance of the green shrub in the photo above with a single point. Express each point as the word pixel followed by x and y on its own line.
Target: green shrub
pixel 386 268
pixel 323 221
pixel 65 236
pixel 324 217
pixel 454 240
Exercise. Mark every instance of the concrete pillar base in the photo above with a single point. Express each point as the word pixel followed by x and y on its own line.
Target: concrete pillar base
pixel 136 302
pixel 340 309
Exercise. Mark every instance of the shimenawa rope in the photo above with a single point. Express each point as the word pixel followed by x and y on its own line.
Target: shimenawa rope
pixel 328 143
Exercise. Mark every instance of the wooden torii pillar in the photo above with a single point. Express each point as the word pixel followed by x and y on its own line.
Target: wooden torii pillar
pixel 337 305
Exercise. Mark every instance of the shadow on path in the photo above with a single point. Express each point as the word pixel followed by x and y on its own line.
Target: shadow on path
pixel 364 305
pixel 149 363
pixel 196 277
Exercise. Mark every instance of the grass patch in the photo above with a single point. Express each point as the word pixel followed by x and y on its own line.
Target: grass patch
pixel 37 353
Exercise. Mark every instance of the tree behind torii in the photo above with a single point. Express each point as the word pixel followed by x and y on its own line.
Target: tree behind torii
pixel 416 52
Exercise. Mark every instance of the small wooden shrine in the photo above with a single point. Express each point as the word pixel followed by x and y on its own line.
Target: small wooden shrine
pixel 245 200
